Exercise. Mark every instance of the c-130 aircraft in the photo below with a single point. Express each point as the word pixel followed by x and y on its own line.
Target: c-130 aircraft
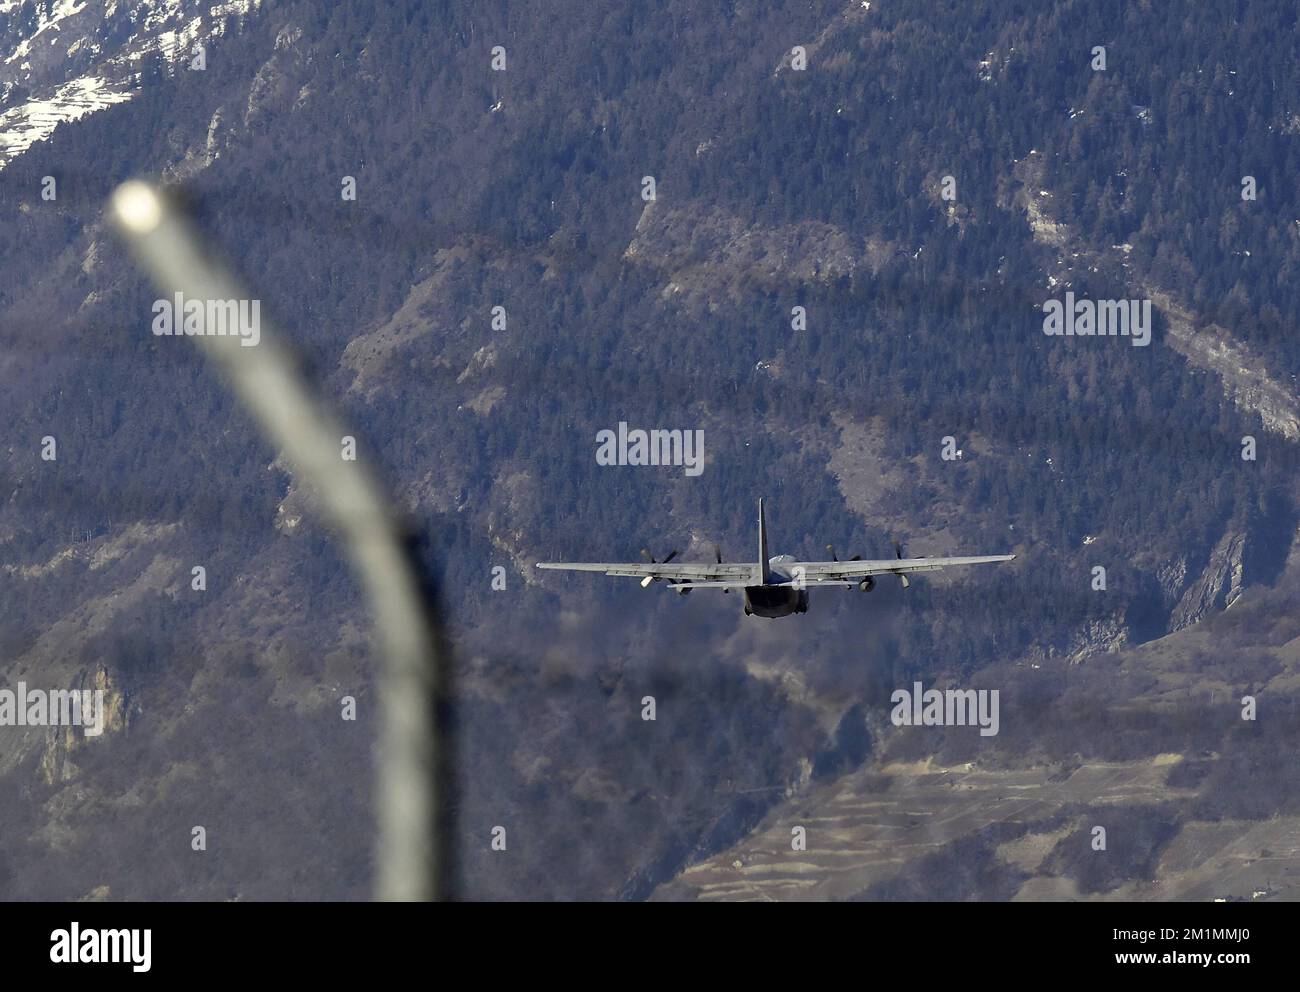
pixel 774 587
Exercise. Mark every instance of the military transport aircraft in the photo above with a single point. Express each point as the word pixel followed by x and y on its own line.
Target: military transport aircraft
pixel 774 587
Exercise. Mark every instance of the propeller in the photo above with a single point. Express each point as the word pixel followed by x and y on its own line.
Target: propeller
pixel 867 583
pixel 649 579
pixel 652 560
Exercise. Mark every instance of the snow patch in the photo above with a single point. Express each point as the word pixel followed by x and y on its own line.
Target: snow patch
pixel 21 127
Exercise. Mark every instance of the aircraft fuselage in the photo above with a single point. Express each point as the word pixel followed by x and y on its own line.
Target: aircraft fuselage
pixel 779 597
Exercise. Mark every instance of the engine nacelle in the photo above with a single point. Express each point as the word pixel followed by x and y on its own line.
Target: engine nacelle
pixel 683 590
pixel 867 584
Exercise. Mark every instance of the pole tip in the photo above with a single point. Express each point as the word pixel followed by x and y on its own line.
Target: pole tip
pixel 137 206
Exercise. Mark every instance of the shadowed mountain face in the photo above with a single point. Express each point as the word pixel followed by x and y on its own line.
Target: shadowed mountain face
pixel 839 277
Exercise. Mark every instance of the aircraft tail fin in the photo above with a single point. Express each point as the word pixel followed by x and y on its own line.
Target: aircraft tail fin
pixel 764 571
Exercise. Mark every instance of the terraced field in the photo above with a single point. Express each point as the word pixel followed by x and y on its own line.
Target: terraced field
pixel 867 830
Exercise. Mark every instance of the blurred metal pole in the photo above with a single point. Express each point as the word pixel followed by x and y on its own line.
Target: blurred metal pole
pixel 266 380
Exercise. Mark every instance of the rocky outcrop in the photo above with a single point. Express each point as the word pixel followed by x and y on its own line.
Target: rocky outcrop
pixel 1218 586
pixel 63 742
pixel 1096 636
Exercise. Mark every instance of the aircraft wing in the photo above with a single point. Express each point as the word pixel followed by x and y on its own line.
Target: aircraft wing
pixel 729 574
pixel 830 571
